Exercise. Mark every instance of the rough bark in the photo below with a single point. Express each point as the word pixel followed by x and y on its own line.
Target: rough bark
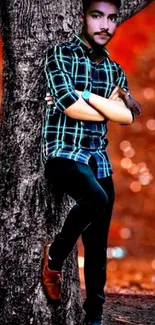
pixel 29 212
pixel 130 8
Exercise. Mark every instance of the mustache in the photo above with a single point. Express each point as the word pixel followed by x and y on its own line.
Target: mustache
pixel 103 31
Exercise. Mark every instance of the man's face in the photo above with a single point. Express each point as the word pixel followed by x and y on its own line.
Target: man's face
pixel 100 23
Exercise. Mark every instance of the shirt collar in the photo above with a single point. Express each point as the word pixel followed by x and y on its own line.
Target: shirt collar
pixel 92 54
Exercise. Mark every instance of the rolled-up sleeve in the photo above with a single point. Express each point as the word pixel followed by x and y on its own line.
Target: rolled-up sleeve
pixel 58 70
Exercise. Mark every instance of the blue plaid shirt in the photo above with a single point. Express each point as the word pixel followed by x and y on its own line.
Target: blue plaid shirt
pixel 69 66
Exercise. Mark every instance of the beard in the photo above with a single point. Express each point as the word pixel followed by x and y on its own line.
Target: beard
pixel 97 47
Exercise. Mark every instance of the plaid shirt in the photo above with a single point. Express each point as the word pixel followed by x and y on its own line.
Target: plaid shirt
pixel 69 66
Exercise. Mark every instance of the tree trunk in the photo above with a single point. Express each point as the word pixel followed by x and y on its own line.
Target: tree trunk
pixel 130 8
pixel 30 213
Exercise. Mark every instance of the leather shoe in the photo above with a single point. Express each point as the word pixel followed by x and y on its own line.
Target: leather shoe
pixel 51 279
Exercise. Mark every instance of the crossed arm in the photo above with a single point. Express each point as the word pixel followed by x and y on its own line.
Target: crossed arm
pixel 112 108
pixel 67 99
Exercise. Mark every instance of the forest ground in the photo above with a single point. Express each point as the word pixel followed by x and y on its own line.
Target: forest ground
pixel 130 292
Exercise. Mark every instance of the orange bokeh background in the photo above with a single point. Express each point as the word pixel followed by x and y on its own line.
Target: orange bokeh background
pixel 133 38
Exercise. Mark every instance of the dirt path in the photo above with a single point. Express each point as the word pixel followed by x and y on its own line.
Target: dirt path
pixel 129 309
pixel 130 292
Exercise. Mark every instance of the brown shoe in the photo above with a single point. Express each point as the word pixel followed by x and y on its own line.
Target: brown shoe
pixel 51 279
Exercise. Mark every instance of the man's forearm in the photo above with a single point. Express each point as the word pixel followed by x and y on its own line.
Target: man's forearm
pixel 80 110
pixel 99 109
pixel 115 111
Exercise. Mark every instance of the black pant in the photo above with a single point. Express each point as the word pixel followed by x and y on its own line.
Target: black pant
pixel 89 217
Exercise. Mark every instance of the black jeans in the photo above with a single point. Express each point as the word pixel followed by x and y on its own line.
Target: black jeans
pixel 89 217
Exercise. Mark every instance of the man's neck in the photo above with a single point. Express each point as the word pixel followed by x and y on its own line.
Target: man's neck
pixel 98 49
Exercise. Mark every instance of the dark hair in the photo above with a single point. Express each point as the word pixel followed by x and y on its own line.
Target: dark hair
pixel 86 3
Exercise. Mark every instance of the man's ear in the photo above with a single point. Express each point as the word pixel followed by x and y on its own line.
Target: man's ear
pixel 81 17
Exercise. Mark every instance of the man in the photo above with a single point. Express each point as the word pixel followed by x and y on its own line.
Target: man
pixel 86 90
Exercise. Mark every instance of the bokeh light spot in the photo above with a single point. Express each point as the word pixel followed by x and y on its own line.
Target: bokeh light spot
pixel 153 279
pixel 133 169
pixel 129 153
pixel 81 261
pixel 149 93
pixel 144 179
pixel 151 124
pixel 142 167
pixel 116 252
pixel 111 252
pixel 125 144
pixel 138 276
pixel 125 233
pixel 153 264
pixel 135 187
pixel 120 252
pixel 126 163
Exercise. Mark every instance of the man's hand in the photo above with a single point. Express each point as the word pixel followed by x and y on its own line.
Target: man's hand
pixel 115 96
pixel 49 99
pixel 128 100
